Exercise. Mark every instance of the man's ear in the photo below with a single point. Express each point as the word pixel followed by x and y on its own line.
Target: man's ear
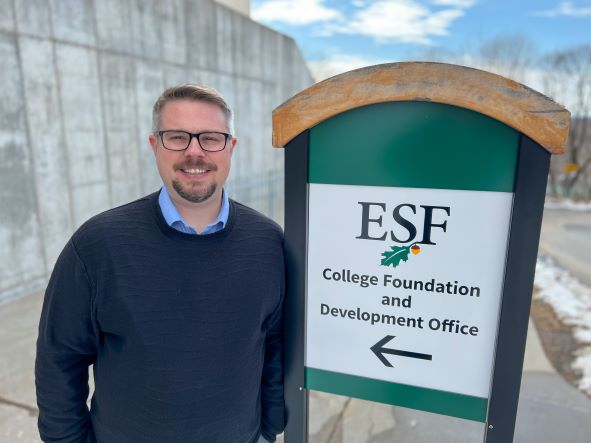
pixel 153 142
pixel 233 142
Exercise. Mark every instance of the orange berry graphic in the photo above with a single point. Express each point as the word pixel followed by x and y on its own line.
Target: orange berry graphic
pixel 415 249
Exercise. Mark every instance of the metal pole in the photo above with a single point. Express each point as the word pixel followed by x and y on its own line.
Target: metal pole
pixel 296 228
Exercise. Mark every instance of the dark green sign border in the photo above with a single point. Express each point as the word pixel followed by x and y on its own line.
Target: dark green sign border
pixel 424 399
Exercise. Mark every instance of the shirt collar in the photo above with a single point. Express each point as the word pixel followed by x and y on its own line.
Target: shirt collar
pixel 175 220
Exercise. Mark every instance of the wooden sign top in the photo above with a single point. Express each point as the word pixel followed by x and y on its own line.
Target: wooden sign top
pixel 500 98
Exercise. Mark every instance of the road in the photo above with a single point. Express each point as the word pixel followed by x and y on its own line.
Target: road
pixel 566 237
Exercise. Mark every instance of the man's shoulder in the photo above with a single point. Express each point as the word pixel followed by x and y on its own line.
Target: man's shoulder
pixel 129 215
pixel 252 220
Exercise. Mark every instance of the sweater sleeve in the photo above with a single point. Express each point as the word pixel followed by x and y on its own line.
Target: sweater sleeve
pixel 66 347
pixel 272 401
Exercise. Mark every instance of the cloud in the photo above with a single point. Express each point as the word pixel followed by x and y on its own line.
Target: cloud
pixel 404 21
pixel 454 3
pixel 385 21
pixel 301 12
pixel 565 9
pixel 338 63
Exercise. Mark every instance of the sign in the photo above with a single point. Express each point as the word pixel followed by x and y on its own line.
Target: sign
pixel 404 286
pixel 413 201
pixel 429 235
pixel 571 167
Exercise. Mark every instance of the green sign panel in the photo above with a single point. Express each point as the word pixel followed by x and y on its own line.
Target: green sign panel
pixel 398 180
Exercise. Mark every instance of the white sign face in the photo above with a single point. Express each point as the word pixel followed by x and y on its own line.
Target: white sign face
pixel 415 274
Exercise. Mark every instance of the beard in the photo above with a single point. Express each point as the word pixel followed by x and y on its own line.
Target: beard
pixel 194 194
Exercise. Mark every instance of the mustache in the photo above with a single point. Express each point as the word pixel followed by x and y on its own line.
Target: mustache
pixel 195 164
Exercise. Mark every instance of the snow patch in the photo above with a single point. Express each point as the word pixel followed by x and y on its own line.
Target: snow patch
pixel 571 301
pixel 569 204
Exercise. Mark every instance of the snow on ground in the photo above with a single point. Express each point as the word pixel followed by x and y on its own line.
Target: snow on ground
pixel 567 203
pixel 571 301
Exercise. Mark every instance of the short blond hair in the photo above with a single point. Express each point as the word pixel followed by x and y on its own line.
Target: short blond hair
pixel 189 91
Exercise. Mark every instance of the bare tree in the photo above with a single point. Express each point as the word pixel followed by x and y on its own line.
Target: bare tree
pixel 564 75
pixel 512 56
pixel 567 78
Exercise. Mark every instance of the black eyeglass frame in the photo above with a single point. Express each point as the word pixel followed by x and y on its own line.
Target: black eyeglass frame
pixel 196 135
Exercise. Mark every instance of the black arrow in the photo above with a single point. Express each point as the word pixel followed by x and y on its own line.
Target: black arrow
pixel 379 350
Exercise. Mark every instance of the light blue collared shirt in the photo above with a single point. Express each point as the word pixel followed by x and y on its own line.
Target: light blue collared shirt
pixel 176 221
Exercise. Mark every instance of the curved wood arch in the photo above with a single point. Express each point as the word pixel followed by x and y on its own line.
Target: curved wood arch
pixel 512 103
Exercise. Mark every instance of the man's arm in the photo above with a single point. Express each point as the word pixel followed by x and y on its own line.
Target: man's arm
pixel 66 346
pixel 272 400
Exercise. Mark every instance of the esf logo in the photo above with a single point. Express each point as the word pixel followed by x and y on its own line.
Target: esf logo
pixel 401 225
pixel 374 222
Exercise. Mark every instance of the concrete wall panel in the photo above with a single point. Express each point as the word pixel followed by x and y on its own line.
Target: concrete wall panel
pixel 73 21
pixel 241 6
pixel 225 41
pixel 175 75
pixel 34 17
pixel 6 15
pixel 89 199
pixel 205 77
pixel 144 26
pixel 51 170
pixel 83 129
pixel 268 56
pixel 21 252
pixel 113 30
pixel 229 88
pixel 287 66
pixel 149 83
pixel 15 177
pixel 278 69
pixel 253 46
pixel 294 60
pixel 238 35
pixel 267 104
pixel 119 104
pixel 173 35
pixel 240 166
pixel 261 148
pixel 202 35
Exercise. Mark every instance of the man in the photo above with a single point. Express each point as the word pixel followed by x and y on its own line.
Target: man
pixel 175 299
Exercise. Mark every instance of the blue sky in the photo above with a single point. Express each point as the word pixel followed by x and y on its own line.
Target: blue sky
pixel 342 35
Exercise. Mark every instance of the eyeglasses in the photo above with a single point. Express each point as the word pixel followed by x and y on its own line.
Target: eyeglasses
pixel 180 140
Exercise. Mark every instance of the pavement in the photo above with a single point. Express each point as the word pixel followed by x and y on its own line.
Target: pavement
pixel 550 410
pixel 18 332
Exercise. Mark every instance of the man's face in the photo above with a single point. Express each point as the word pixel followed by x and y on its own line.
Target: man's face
pixel 193 175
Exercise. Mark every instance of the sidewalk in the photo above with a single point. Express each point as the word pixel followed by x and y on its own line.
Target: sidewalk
pixel 18 332
pixel 550 410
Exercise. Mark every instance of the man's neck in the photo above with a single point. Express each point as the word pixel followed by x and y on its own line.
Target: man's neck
pixel 199 215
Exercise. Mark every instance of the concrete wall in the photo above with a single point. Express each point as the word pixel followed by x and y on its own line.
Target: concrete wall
pixel 242 6
pixel 78 81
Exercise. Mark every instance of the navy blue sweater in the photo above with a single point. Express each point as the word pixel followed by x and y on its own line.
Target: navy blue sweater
pixel 184 331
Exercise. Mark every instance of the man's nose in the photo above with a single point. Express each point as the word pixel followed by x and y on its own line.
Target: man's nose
pixel 194 148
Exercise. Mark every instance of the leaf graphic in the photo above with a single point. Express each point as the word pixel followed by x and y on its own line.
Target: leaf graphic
pixel 395 255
